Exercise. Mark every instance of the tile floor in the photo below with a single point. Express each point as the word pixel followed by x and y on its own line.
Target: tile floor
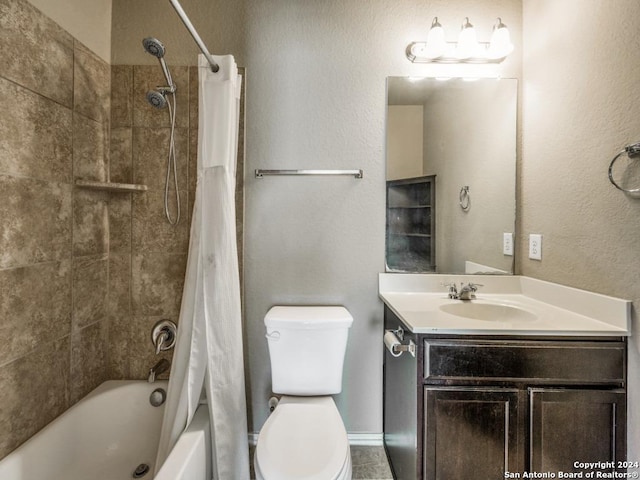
pixel 369 463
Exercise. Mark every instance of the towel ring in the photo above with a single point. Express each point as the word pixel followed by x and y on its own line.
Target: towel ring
pixel 631 150
pixel 465 199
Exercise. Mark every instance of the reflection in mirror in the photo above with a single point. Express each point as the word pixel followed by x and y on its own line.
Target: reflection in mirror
pixel 451 172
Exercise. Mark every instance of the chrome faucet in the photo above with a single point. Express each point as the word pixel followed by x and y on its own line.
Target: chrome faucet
pixel 158 369
pixel 467 292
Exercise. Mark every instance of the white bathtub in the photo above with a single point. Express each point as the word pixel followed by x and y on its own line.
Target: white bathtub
pixel 106 436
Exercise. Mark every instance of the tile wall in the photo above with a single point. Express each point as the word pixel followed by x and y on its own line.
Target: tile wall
pixel 148 256
pixel 54 245
pixel 84 274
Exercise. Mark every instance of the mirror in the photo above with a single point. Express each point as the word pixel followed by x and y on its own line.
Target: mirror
pixel 451 173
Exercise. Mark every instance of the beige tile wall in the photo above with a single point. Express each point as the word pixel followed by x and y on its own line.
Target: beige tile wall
pixel 54 244
pixel 148 255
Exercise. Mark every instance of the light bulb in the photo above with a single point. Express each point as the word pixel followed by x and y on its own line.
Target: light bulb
pixel 436 43
pixel 500 45
pixel 467 42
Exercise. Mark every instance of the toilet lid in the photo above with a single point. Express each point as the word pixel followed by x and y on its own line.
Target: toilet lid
pixel 304 438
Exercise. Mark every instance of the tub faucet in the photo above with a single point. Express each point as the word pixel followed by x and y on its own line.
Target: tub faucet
pixel 158 369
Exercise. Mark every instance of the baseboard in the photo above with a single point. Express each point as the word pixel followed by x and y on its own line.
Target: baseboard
pixel 365 439
pixel 358 439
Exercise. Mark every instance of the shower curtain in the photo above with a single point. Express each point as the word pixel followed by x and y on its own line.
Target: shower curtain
pixel 208 350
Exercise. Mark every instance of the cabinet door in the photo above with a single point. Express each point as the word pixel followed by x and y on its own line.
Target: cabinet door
pixel 568 426
pixel 470 433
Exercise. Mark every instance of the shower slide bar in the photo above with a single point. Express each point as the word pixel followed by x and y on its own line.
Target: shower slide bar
pixel 187 23
pixel 352 173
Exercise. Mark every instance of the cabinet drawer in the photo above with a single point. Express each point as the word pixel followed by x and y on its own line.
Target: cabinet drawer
pixel 549 362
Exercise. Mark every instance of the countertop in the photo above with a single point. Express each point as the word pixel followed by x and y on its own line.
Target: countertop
pixel 549 309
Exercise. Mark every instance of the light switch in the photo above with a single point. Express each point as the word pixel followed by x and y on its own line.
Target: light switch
pixel 507 243
pixel 535 246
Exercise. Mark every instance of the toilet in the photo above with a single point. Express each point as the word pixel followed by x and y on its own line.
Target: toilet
pixel 304 438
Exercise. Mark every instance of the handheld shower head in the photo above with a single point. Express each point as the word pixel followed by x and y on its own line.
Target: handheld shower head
pixel 153 46
pixel 157 99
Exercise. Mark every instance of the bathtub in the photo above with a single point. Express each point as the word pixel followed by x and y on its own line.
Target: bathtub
pixel 106 436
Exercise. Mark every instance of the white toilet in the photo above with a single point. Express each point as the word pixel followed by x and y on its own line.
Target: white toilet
pixel 304 438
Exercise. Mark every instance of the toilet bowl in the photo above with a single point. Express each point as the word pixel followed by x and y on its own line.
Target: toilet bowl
pixel 303 439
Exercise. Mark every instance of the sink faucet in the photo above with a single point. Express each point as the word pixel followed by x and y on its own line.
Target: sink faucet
pixel 158 369
pixel 467 292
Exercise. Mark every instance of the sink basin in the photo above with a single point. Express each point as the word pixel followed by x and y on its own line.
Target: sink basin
pixel 496 312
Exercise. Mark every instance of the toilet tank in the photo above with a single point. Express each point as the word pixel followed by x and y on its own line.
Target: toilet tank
pixel 307 346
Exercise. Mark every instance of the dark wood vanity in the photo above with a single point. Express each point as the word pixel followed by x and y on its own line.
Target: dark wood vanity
pixel 486 406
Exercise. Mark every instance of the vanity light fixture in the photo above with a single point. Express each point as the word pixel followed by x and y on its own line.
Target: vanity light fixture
pixel 500 45
pixel 436 44
pixel 467 46
pixel 466 50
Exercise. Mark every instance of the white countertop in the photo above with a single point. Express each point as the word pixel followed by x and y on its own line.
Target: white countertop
pixel 555 309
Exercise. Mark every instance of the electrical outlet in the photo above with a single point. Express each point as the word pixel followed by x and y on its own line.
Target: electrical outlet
pixel 507 243
pixel 535 246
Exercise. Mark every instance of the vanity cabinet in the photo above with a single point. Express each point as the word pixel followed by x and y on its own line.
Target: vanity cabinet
pixel 486 405
pixel 411 224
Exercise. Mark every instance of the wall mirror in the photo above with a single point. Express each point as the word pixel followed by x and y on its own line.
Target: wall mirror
pixel 451 174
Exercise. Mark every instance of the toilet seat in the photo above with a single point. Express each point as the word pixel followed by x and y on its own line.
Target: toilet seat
pixel 304 438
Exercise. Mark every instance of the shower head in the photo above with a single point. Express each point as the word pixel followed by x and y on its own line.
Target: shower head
pixel 157 98
pixel 153 46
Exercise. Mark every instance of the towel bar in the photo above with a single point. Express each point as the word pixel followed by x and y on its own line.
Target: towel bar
pixel 354 173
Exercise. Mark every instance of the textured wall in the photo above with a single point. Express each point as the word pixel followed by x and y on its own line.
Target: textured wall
pixel 220 23
pixel 581 82
pixel 89 22
pixel 404 141
pixel 317 99
pixel 54 128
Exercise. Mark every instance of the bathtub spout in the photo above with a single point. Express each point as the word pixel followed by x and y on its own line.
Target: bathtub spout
pixel 158 369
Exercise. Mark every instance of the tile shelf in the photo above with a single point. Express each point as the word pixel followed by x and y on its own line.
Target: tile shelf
pixel 111 186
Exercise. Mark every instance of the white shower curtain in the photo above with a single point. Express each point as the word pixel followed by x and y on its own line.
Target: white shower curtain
pixel 209 343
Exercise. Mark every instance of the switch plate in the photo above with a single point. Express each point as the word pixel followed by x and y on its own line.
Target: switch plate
pixel 507 243
pixel 535 246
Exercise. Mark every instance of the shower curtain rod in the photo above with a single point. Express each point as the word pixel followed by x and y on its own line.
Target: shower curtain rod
pixel 187 23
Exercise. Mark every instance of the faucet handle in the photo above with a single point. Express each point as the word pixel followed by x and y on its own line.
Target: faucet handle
pixel 161 341
pixel 474 286
pixel 453 289
pixel 163 335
